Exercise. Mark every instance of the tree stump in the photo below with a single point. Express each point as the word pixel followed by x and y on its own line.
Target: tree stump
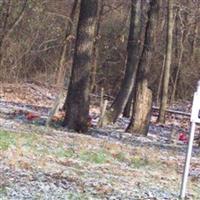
pixel 142 110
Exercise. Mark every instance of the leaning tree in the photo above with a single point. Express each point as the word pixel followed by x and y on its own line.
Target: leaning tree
pixel 134 50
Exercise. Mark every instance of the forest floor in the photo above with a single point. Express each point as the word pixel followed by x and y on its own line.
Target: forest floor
pixel 37 162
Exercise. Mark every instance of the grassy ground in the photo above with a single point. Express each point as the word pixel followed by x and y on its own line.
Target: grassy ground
pixel 98 168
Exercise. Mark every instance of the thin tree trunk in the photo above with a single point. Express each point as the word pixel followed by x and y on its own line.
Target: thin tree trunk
pixel 66 47
pixel 78 100
pixel 127 109
pixel 194 44
pixel 178 69
pixel 95 46
pixel 166 76
pixel 160 82
pixel 1 54
pixel 65 54
pixel 134 50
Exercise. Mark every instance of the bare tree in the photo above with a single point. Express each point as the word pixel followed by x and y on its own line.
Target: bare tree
pixel 166 75
pixel 7 27
pixel 180 57
pixel 95 46
pixel 67 46
pixel 65 55
pixel 79 88
pixel 134 50
pixel 143 95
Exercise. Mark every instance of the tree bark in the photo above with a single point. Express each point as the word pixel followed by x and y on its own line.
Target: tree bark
pixel 160 82
pixel 95 46
pixel 178 69
pixel 143 99
pixel 76 117
pixel 127 109
pixel 134 50
pixel 142 109
pixel 166 76
pixel 65 55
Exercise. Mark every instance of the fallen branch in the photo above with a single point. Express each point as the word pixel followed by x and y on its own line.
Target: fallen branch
pixel 176 112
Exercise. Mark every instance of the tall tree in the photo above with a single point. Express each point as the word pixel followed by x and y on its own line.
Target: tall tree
pixel 181 53
pixel 168 59
pixel 67 45
pixel 143 95
pixel 134 49
pixel 96 46
pixel 76 117
pixel 62 78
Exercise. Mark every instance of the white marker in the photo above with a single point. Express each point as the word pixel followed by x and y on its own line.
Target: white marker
pixel 195 118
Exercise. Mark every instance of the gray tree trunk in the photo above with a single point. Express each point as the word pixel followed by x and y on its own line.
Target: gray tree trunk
pixel 143 99
pixel 67 46
pixel 95 46
pixel 134 50
pixel 127 109
pixel 65 54
pixel 79 88
pixel 166 75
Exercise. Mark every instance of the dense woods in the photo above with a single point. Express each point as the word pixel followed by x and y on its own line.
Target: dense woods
pixel 141 52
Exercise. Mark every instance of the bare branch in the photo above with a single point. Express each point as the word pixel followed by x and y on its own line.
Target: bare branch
pixel 17 20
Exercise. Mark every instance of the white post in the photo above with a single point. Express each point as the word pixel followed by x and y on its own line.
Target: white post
pixel 187 162
pixel 195 118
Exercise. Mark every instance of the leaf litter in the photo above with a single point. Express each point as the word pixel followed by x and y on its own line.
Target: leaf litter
pixel 54 163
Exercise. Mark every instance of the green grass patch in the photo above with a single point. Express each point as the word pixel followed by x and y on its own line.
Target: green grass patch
pixel 65 153
pixel 98 157
pixel 3 191
pixel 138 162
pixel 30 139
pixel 121 157
pixel 6 140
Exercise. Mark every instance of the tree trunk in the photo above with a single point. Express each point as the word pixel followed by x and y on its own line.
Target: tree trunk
pixel 127 109
pixel 142 109
pixel 178 69
pixel 143 99
pixel 65 52
pixel 1 54
pixel 95 46
pixel 160 82
pixel 134 50
pixel 65 55
pixel 76 117
pixel 166 76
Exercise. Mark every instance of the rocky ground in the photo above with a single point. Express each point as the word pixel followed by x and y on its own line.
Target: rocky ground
pixel 37 162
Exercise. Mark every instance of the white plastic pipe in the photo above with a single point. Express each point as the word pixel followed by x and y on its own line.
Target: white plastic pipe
pixel 194 119
pixel 187 162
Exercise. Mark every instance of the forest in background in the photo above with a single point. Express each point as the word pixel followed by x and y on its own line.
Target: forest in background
pixel 145 52
pixel 31 47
